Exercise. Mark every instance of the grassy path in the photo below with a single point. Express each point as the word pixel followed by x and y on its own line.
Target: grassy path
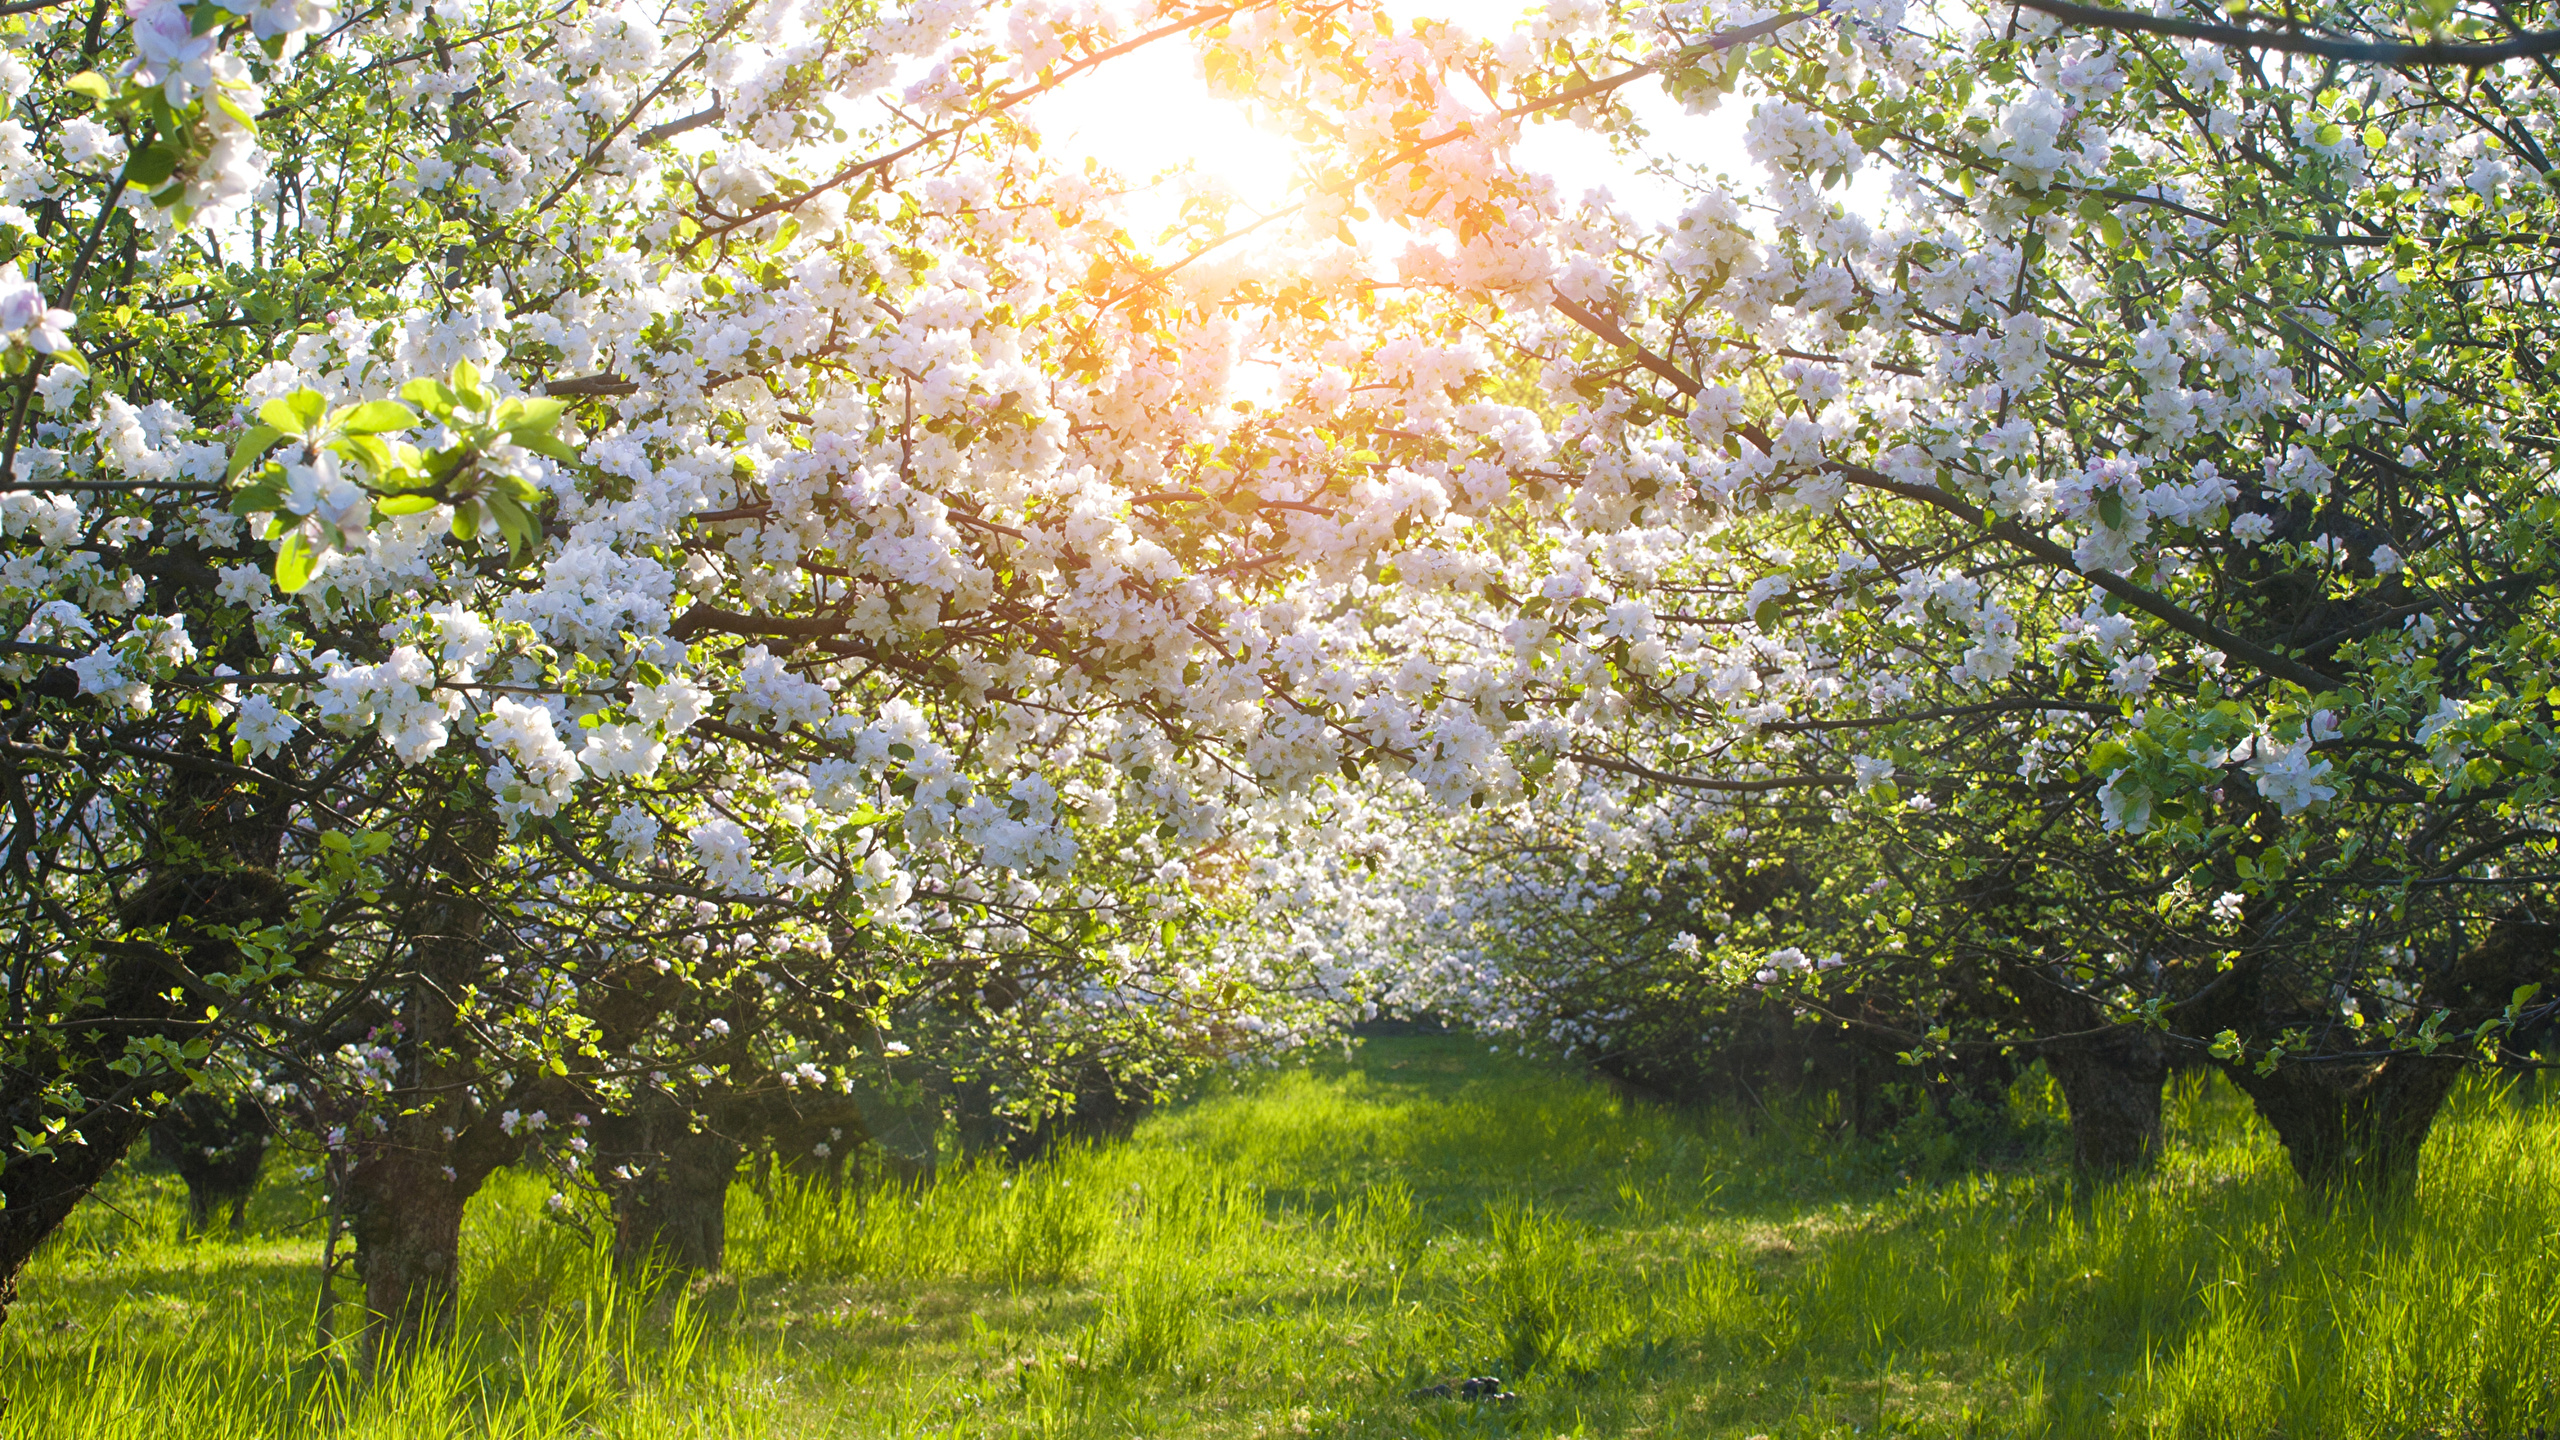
pixel 1300 1256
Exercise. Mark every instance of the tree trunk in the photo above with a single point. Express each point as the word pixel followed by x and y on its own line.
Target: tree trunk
pixel 407 1190
pixel 404 1203
pixel 676 1213
pixel 407 1222
pixel 2356 1127
pixel 673 1210
pixel 213 868
pixel 2111 1083
pixel 216 1146
pixel 2353 1130
pixel 38 1190
pixel 2111 1075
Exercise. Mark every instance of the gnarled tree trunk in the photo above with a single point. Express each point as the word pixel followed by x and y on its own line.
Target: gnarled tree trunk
pixel 2352 1129
pixel 407 1220
pixel 40 1188
pixel 2111 1075
pixel 216 855
pixel 673 1210
pixel 2355 1127
pixel 406 1191
pixel 2111 1084
pixel 216 1147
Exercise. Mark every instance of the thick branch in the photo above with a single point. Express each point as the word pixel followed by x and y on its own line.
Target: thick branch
pixel 1701 782
pixel 2008 532
pixel 2430 52
pixel 705 619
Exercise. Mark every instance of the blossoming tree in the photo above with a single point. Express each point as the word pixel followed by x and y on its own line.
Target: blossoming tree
pixel 2165 429
pixel 712 452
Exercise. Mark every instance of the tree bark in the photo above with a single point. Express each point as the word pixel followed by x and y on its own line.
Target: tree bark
pixel 2111 1084
pixel 2353 1130
pixel 213 868
pixel 412 1179
pixel 2356 1127
pixel 216 1147
pixel 2111 1075
pixel 39 1190
pixel 677 1205
pixel 407 1222
pixel 405 1202
pixel 1097 1108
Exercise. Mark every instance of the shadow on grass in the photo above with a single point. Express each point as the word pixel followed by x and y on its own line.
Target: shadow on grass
pixel 1310 1253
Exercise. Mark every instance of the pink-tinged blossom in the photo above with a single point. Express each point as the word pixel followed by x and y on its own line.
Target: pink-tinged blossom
pixel 167 51
pixel 26 320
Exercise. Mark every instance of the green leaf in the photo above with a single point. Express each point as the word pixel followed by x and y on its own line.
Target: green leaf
pixel 430 396
pixel 523 536
pixel 259 497
pixel 294 414
pixel 465 381
pixel 404 504
pixel 151 166
pixel 90 83
pixel 551 445
pixel 230 107
pixel 539 416
pixel 374 417
pixel 2330 134
pixel 251 446
pixel 2111 509
pixel 363 450
pixel 295 563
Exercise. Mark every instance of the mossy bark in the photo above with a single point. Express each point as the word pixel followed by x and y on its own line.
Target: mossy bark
pixel 413 1176
pixel 216 1147
pixel 2353 1130
pixel 2111 1084
pixel 673 1210
pixel 2355 1126
pixel 213 868
pixel 2112 1075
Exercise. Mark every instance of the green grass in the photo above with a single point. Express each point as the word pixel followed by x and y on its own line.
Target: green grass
pixel 1297 1256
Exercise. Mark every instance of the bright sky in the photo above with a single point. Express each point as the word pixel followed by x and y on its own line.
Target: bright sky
pixel 1150 112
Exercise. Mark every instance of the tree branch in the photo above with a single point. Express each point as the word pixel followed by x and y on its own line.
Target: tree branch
pixel 2008 532
pixel 2369 52
pixel 1701 782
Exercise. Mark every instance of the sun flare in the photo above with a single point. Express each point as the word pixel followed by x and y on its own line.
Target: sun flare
pixel 1151 118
